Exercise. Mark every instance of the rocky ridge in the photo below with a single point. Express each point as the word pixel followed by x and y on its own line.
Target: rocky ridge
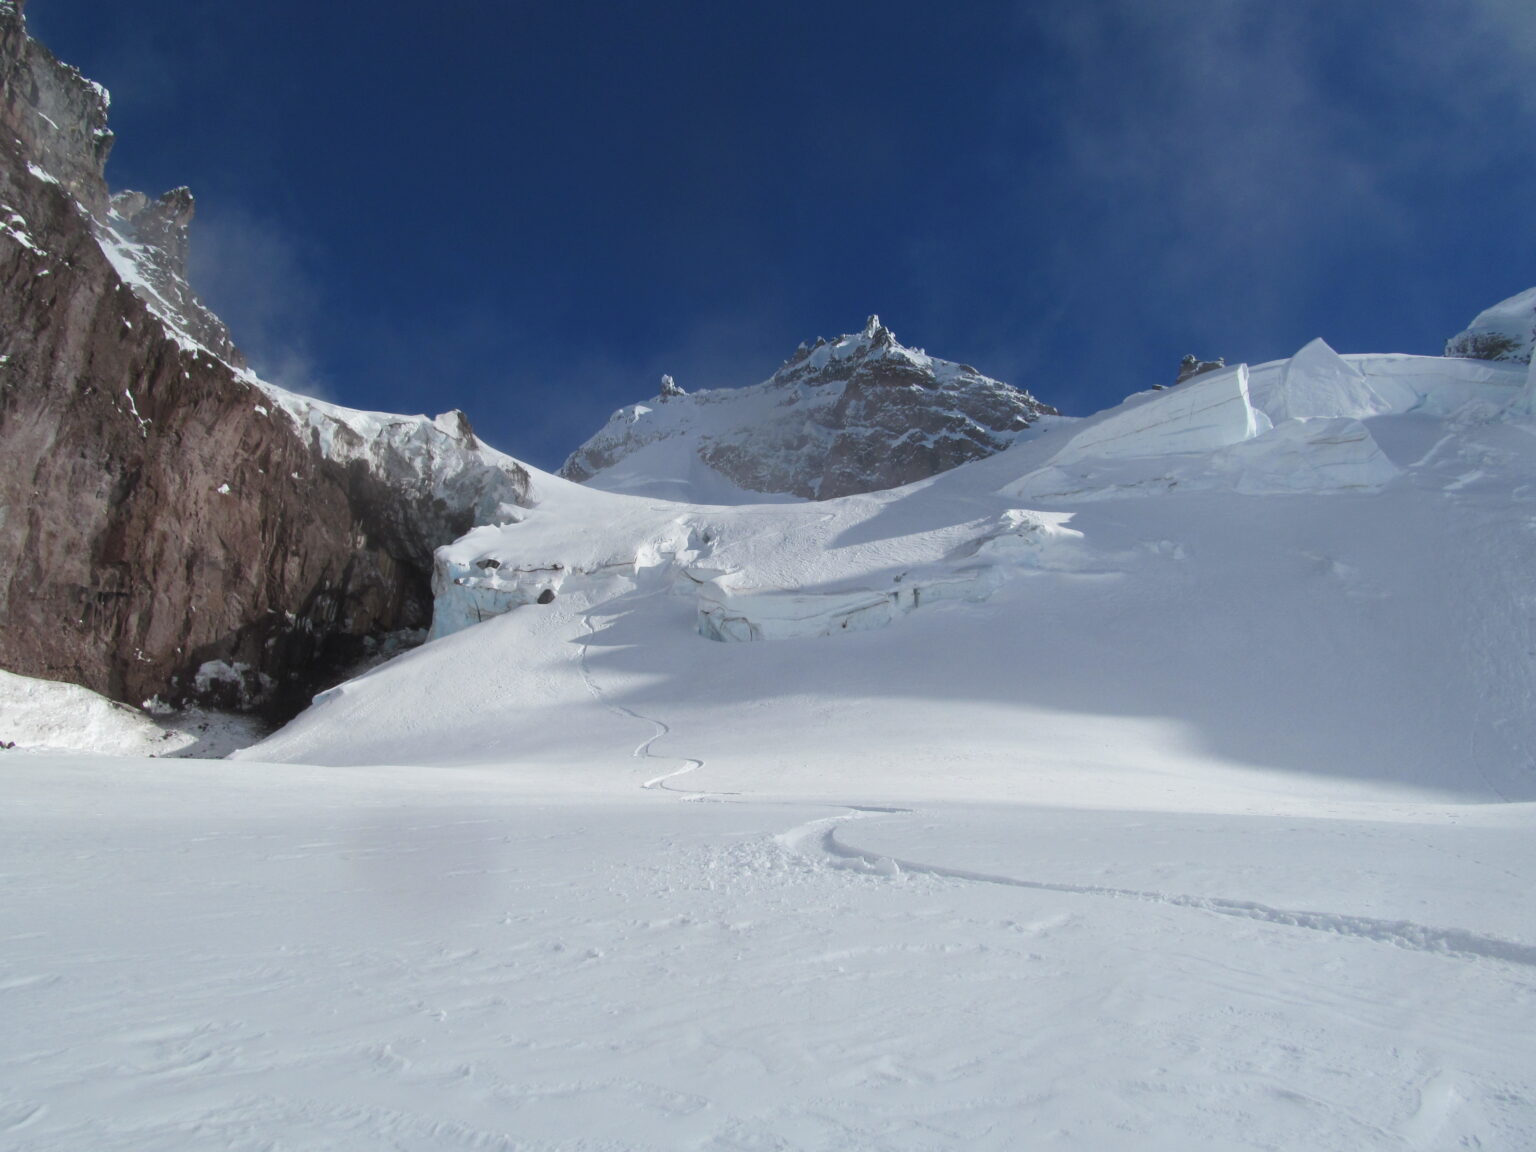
pixel 171 527
pixel 856 414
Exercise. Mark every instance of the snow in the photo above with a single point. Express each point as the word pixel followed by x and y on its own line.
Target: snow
pixel 435 456
pixel 1191 808
pixel 1503 332
pixel 133 408
pixel 13 226
pixel 778 433
pixel 1209 412
pixel 48 716
pixel 130 261
pixel 1317 381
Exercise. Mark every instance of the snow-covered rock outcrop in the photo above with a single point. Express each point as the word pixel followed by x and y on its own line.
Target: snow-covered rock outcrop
pixel 1502 332
pixel 858 414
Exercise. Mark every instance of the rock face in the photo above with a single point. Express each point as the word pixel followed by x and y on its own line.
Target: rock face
pixel 859 414
pixel 1502 332
pixel 169 526
pixel 1192 366
pixel 147 242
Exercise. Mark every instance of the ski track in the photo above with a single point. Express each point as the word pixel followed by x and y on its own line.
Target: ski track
pixel 643 749
pixel 821 835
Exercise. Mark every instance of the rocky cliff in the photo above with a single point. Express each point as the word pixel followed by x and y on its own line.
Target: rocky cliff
pixel 170 526
pixel 857 414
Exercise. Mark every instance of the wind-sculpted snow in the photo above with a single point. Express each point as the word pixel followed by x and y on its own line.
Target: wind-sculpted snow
pixel 1318 382
pixel 1205 414
pixel 822 835
pixel 444 958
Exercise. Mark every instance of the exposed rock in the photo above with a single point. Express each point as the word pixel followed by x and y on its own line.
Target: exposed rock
pixel 169 526
pixel 1502 332
pixel 60 115
pixel 859 414
pixel 148 242
pixel 1192 365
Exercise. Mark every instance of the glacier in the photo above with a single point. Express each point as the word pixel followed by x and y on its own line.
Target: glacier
pixel 1161 781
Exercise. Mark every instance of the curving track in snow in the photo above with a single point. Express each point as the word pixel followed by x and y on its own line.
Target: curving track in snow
pixel 643 749
pixel 820 836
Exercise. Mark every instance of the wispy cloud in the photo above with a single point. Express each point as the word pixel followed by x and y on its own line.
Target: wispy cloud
pixel 255 277
pixel 1220 155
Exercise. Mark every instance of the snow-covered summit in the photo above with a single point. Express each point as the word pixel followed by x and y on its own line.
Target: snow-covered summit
pixel 856 414
pixel 1502 332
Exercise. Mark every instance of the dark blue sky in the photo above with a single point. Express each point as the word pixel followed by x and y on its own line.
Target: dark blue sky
pixel 530 211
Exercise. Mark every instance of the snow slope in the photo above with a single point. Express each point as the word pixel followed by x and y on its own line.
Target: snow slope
pixel 1162 782
pixel 1365 574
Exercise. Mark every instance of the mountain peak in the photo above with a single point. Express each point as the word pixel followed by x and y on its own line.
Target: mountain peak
pixel 856 414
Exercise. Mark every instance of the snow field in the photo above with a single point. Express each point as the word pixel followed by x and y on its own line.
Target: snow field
pixel 252 955
pixel 1205 824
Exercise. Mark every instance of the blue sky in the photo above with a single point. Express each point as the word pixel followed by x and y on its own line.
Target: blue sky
pixel 530 211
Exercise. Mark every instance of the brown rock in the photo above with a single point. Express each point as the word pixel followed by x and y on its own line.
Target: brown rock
pixel 160 515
